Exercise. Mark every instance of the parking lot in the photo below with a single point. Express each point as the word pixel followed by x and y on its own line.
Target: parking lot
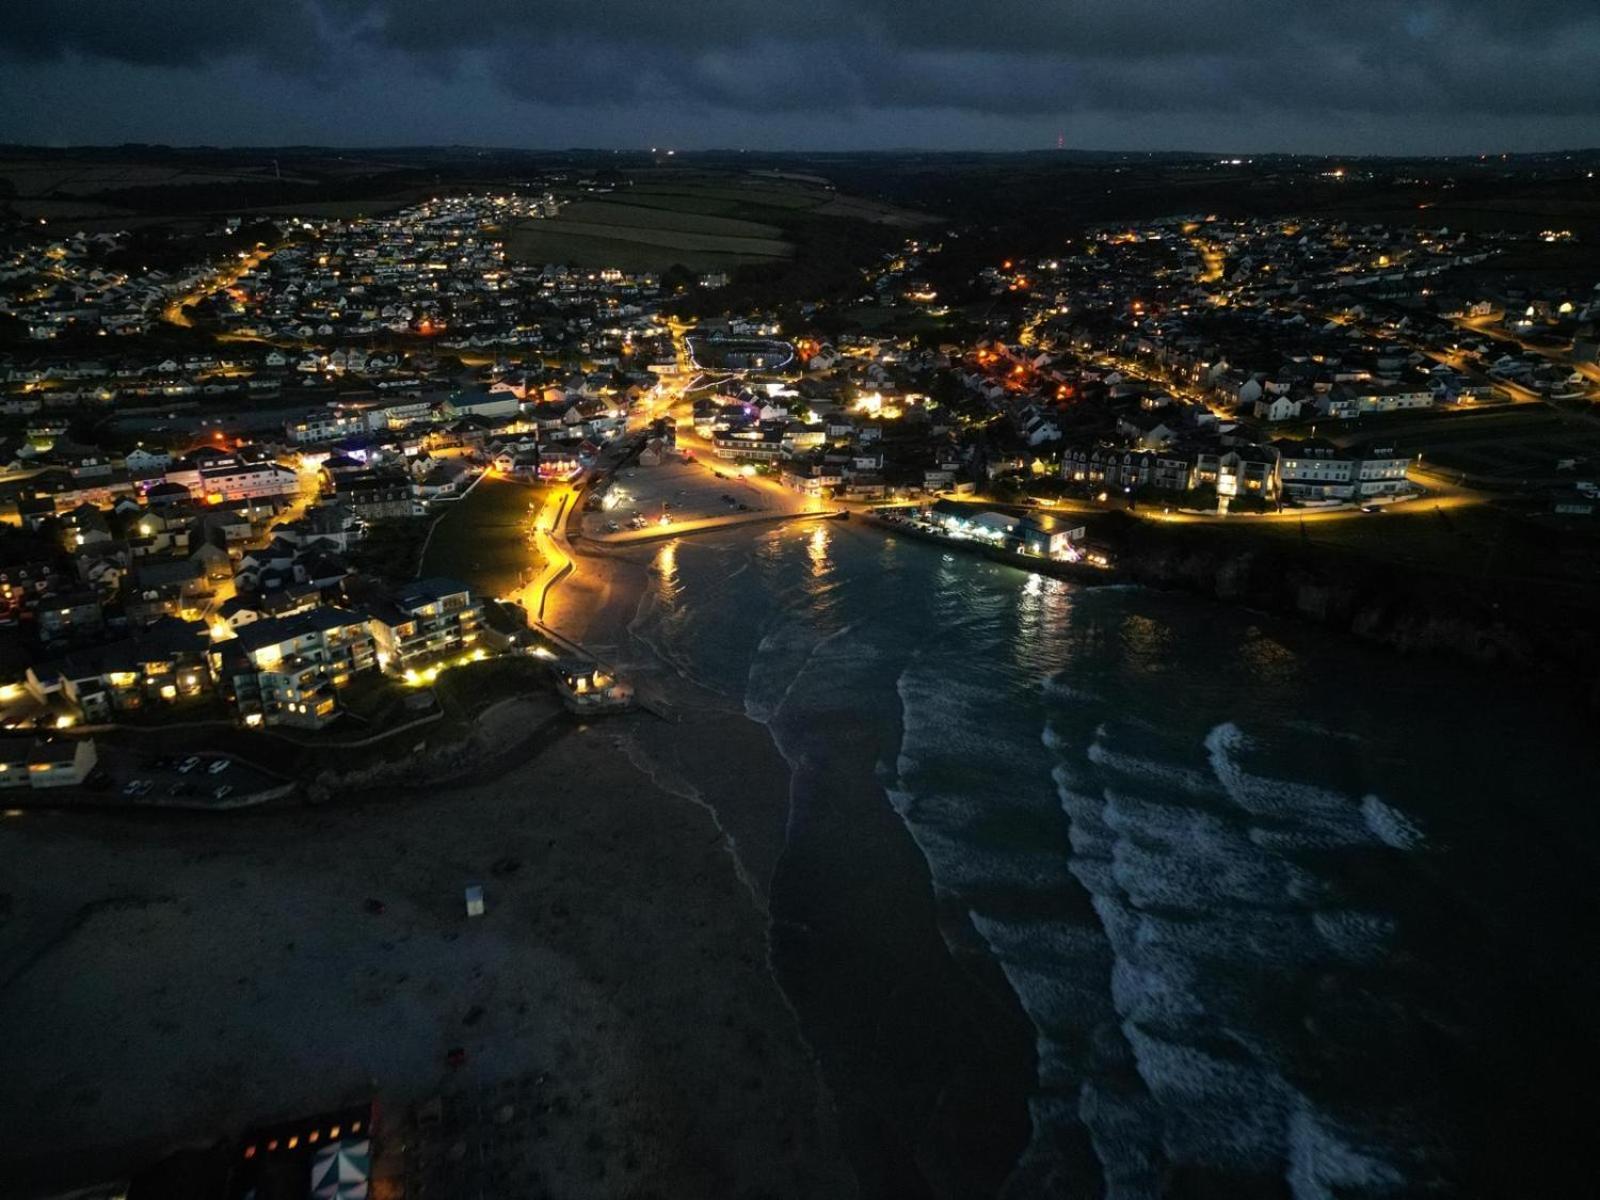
pixel 129 776
pixel 193 777
pixel 682 492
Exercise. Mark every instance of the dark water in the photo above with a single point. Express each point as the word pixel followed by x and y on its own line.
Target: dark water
pixel 1286 916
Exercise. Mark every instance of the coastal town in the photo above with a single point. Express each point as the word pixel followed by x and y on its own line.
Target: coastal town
pixel 238 530
pixel 288 499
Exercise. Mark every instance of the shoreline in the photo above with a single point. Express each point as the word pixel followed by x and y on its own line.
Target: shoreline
pixel 185 978
pixel 925 1048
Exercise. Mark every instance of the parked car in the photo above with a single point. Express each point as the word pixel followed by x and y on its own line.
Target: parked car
pixel 188 764
pixel 223 792
pixel 218 766
pixel 131 788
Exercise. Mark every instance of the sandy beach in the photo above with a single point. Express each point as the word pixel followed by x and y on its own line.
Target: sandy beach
pixel 174 978
pixel 648 887
pixel 926 1053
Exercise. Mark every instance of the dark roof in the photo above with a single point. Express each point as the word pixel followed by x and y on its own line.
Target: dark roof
pixel 159 640
pixel 271 630
pixel 427 591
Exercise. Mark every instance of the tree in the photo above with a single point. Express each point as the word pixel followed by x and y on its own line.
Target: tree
pixel 677 277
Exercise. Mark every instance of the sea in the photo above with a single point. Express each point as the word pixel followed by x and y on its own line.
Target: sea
pixel 1282 913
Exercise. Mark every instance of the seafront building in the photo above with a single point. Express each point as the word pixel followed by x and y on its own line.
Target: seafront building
pixel 287 671
pixel 425 621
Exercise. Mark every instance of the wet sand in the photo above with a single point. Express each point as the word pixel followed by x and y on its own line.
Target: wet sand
pixel 176 977
pixel 928 1054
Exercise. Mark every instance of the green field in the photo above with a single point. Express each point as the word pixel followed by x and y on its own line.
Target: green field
pixel 704 222
pixel 665 217
pixel 483 538
pixel 726 196
pixel 1513 444
pixel 656 235
pixel 650 229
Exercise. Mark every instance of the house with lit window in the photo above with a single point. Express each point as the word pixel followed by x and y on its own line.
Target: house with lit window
pixel 162 664
pixel 425 621
pixel 1239 471
pixel 750 443
pixel 227 479
pixel 287 670
pixel 376 495
pixel 47 762
pixel 1316 469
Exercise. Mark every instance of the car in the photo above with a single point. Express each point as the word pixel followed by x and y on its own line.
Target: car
pixel 131 788
pixel 188 764
pixel 612 527
pixel 223 792
pixel 218 766
pixel 1371 508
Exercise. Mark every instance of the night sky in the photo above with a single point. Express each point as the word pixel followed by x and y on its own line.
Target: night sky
pixel 1334 76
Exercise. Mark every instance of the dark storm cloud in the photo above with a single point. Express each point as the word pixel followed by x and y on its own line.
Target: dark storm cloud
pixel 1016 59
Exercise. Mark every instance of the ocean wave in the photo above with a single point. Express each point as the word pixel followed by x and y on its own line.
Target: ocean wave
pixel 1356 936
pixel 1124 1124
pixel 1222 1111
pixel 1389 825
pixel 1326 1162
pixel 1149 770
pixel 1206 899
pixel 1056 688
pixel 1304 816
pixel 781 662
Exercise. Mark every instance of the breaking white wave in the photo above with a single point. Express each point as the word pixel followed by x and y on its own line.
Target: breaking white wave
pixel 1389 825
pixel 1146 769
pixel 780 663
pixel 1326 1163
pixel 1200 884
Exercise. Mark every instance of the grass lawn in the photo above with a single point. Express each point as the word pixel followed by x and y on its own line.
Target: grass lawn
pixel 466 691
pixel 483 539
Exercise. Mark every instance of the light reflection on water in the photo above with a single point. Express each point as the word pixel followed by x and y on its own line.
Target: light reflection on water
pixel 666 566
pixel 817 549
pixel 1043 606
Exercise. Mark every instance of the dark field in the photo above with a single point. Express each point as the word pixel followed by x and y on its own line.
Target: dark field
pixel 482 540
